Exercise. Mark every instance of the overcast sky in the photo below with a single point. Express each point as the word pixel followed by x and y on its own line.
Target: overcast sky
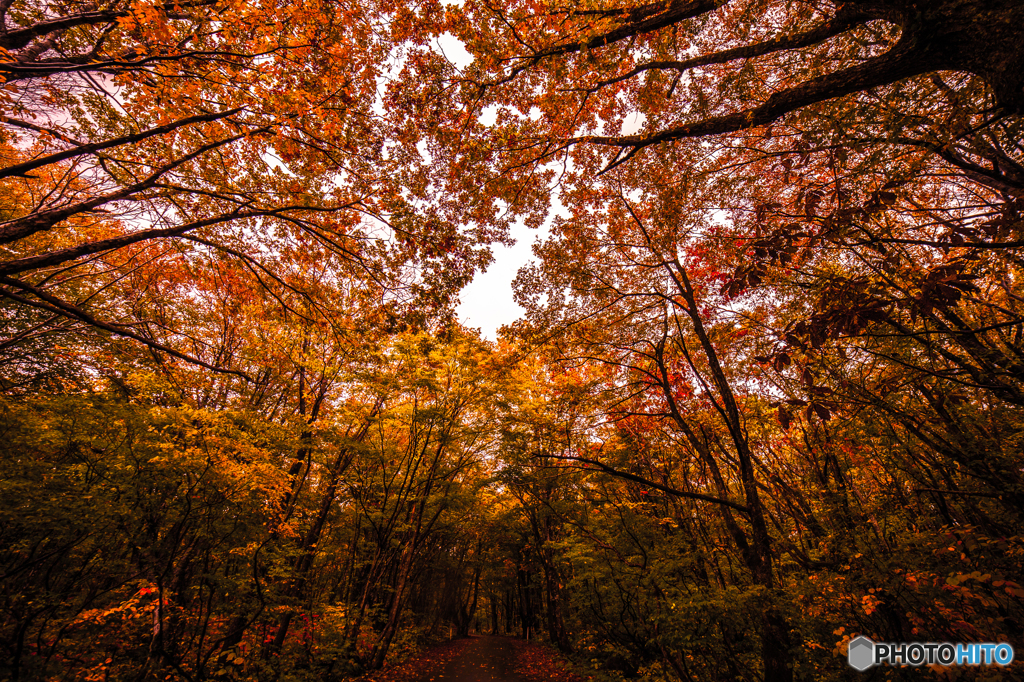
pixel 487 302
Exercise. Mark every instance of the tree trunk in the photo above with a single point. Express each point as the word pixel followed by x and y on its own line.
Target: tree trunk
pixel 775 638
pixel 466 613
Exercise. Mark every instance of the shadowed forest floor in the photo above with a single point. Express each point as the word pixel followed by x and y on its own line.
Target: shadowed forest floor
pixel 480 658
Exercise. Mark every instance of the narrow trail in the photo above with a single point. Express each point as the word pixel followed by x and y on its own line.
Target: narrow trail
pixel 485 659
pixel 480 658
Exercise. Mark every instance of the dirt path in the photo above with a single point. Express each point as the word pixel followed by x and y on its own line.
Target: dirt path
pixel 480 658
pixel 485 659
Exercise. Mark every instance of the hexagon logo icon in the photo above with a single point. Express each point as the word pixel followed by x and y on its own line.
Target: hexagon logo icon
pixel 861 653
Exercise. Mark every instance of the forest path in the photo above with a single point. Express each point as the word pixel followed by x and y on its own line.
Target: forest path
pixel 480 658
pixel 484 659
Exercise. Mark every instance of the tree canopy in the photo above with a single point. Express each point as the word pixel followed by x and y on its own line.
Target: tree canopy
pixel 765 395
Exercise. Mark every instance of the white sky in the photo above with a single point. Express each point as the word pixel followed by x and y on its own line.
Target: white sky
pixel 487 303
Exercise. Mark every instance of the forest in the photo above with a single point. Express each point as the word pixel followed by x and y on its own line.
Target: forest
pixel 766 394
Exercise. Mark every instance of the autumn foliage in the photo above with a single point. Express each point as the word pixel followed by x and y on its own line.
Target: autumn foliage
pixel 765 394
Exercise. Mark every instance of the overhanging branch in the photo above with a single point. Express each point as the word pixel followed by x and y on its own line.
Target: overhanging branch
pixel 611 471
pixel 54 305
pixel 898 63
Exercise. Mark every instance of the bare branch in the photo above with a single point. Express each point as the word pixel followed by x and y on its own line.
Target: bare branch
pixel 43 220
pixel 842 22
pixel 898 63
pixel 57 306
pixel 644 19
pixel 22 169
pixel 17 39
pixel 657 486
